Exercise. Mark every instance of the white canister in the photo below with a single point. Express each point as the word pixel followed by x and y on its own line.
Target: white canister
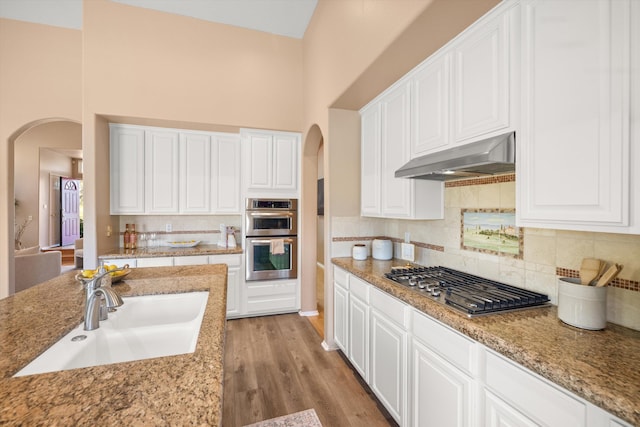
pixel 359 252
pixel 382 249
pixel 582 306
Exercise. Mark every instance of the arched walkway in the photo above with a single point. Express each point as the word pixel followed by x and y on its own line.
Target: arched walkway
pixel 7 272
pixel 308 214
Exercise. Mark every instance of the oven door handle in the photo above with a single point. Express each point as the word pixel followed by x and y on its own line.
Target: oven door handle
pixel 268 242
pixel 269 214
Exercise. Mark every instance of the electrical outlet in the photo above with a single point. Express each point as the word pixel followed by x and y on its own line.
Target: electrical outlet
pixel 408 252
pixel 168 228
pixel 407 237
pixel 109 231
pixel 30 217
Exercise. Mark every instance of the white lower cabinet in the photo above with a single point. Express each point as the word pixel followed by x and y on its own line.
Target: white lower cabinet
pixel 341 308
pixel 442 386
pixel 388 376
pixel 358 330
pixel 440 393
pixel 499 413
pixel 272 296
pixel 428 374
pixel 234 281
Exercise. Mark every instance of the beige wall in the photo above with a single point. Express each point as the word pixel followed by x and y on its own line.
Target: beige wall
pixel 40 78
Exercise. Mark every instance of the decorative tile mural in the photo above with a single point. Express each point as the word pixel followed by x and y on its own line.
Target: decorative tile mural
pixel 491 231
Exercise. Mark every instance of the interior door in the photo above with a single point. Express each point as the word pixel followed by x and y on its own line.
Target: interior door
pixel 70 210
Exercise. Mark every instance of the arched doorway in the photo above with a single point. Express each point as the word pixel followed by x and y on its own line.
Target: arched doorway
pixel 309 220
pixel 7 275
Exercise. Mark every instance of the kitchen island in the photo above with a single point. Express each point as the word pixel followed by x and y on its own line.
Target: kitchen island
pixel 599 366
pixel 176 390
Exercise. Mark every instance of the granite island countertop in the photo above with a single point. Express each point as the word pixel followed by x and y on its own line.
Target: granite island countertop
pixel 162 251
pixel 599 366
pixel 176 390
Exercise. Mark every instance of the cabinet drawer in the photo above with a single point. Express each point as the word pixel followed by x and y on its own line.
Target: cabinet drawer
pixel 155 262
pixel 120 262
pixel 233 260
pixel 446 342
pixel 393 308
pixel 341 277
pixel 191 260
pixel 531 395
pixel 359 288
pixel 270 297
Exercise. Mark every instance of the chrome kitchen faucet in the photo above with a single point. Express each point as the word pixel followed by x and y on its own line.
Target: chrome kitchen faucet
pixel 99 299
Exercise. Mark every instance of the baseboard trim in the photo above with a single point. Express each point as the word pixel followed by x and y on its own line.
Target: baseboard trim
pixel 327 347
pixel 309 313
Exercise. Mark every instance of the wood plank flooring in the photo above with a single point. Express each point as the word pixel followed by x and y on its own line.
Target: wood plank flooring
pixel 275 365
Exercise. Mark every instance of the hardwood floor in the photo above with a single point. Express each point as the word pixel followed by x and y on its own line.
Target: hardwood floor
pixel 318 321
pixel 275 366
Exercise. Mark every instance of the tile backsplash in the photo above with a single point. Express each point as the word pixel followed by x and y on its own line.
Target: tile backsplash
pixel 205 228
pixel 546 252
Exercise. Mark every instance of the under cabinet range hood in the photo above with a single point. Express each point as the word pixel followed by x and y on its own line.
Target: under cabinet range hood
pixel 491 156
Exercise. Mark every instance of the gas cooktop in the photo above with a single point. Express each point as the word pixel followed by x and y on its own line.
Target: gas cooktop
pixel 472 295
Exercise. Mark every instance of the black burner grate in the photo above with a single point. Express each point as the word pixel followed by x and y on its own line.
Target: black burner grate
pixel 471 294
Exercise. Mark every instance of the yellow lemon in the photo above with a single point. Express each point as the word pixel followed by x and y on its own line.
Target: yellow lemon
pixel 88 273
pixel 112 267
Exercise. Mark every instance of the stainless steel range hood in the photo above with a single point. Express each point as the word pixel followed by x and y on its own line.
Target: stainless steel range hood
pixel 487 157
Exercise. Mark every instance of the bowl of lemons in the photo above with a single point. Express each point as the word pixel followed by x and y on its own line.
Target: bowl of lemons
pixel 116 273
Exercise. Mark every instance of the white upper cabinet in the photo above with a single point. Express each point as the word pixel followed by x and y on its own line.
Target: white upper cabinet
pixel 126 169
pixel 481 77
pixel 370 161
pixel 226 167
pixel 574 147
pixel 385 147
pixel 195 173
pixel 161 172
pixel 271 162
pixel 431 101
pixel 468 89
pixel 174 171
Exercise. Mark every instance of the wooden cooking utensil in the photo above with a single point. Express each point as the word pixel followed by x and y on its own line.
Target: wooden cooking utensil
pixel 589 270
pixel 609 275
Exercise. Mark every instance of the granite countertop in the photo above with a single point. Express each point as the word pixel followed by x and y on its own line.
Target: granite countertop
pixel 119 253
pixel 177 390
pixel 599 366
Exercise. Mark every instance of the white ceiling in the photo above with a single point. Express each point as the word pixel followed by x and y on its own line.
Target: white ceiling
pixel 283 17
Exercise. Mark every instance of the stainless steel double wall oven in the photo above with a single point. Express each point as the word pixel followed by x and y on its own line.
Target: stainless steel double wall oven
pixel 271 238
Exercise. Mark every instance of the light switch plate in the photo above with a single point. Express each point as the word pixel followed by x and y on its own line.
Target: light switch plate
pixel 408 252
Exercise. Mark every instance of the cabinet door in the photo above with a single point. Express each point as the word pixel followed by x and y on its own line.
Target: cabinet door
pixel 430 105
pixel 161 171
pixel 226 174
pixel 481 80
pixel 573 154
pixel 395 146
pixel 195 173
pixel 358 336
pixel 388 359
pixel 285 162
pixel 260 173
pixel 499 413
pixel 370 161
pixel 235 280
pixel 340 317
pixel 441 395
pixel 126 170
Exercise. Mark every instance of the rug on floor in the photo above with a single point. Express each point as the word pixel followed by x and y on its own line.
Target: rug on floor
pixel 306 418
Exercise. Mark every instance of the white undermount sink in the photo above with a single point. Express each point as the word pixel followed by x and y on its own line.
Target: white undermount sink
pixel 144 327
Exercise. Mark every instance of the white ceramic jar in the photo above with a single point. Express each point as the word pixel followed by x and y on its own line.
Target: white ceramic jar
pixel 382 249
pixel 359 252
